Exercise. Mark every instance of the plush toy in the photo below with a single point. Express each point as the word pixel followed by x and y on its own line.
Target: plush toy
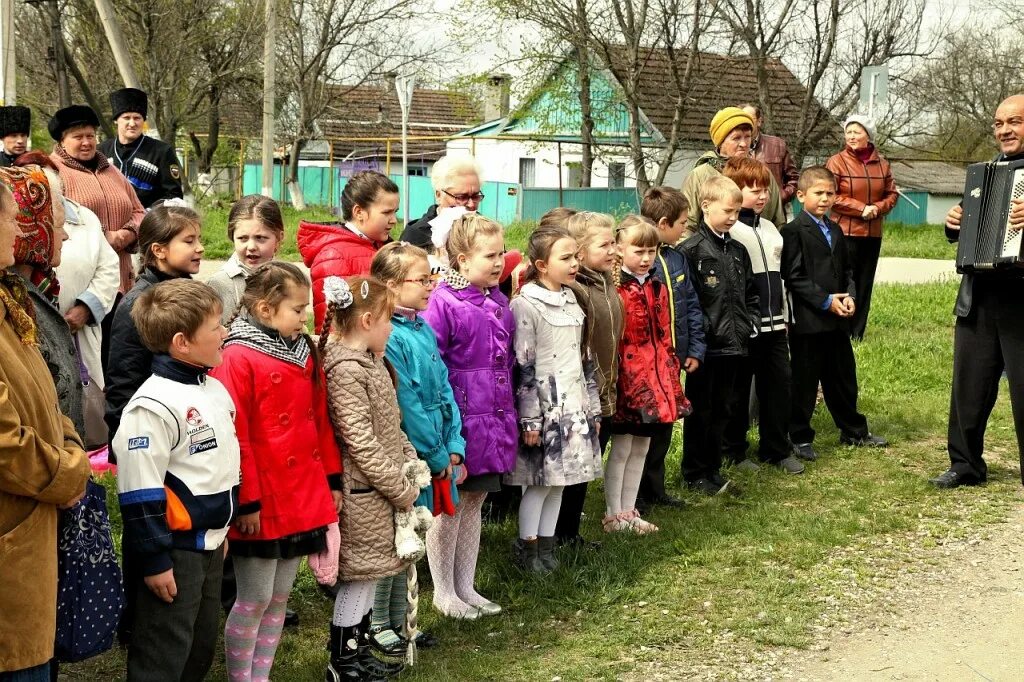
pixel 411 526
pixel 325 564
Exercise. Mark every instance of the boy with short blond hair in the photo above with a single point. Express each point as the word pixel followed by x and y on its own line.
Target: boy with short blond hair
pixel 819 278
pixel 728 297
pixel 178 476
pixel 668 209
pixel 768 361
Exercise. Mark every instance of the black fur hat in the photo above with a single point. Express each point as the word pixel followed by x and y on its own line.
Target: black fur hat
pixel 69 117
pixel 129 99
pixel 15 119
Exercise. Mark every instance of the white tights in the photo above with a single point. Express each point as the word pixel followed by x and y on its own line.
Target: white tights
pixel 353 602
pixel 538 511
pixel 623 471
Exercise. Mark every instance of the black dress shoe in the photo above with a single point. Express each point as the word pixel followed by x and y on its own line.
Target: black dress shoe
pixel 291 619
pixel 667 500
pixel 707 486
pixel 953 479
pixel 868 441
pixel 578 542
pixel 805 451
pixel 642 505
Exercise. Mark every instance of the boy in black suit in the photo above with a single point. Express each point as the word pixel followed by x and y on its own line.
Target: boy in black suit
pixel 819 279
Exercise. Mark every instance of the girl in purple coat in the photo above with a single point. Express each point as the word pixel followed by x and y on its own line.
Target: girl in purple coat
pixel 474 328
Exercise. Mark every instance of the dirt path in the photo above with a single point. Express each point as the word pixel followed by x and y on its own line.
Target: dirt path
pixel 961 620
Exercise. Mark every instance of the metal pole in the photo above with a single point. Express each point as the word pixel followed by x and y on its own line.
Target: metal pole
pixel 269 41
pixel 404 85
pixel 330 178
pixel 560 174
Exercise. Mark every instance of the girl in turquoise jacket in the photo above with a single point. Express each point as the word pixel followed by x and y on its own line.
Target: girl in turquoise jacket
pixel 430 417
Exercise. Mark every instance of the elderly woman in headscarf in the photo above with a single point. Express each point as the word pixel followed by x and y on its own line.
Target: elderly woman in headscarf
pixel 43 467
pixel 89 276
pixel 37 249
pixel 865 193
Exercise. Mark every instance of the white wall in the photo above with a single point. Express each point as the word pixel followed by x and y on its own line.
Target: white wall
pixel 938 207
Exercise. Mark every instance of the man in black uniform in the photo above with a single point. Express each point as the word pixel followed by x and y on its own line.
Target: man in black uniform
pixel 15 126
pixel 149 164
pixel 989 335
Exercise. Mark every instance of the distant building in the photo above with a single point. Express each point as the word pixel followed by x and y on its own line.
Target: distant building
pixel 935 186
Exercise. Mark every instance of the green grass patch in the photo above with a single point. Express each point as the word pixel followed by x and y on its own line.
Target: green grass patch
pixel 753 572
pixel 916 241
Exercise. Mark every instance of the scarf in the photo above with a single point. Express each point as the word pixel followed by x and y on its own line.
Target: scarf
pixel 245 333
pixel 34 245
pixel 864 154
pixel 456 281
pixel 21 313
pixel 97 164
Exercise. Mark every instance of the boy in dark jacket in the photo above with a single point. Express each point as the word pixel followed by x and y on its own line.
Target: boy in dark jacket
pixel 818 275
pixel 668 209
pixel 728 296
pixel 768 361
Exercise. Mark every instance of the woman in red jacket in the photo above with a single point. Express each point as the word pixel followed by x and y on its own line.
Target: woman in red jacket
pixel 291 467
pixel 865 192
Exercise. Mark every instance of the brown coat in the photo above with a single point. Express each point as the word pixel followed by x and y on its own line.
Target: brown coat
pixel 112 198
pixel 42 464
pixel 860 184
pixel 367 424
pixel 597 295
pixel 773 152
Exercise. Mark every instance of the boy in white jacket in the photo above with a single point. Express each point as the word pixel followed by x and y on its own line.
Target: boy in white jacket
pixel 177 484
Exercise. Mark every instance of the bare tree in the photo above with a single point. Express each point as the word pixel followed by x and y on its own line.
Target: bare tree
pixel 329 47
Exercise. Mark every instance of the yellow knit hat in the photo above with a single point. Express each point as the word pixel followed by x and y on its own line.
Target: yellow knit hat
pixel 725 121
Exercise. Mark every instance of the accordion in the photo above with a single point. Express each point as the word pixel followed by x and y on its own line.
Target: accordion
pixel 987 241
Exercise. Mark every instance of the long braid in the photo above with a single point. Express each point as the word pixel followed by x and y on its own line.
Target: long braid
pixel 234 315
pixel 617 272
pixel 412 598
pixel 325 329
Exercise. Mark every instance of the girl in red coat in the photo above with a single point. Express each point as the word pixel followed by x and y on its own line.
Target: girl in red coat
pixel 649 392
pixel 291 467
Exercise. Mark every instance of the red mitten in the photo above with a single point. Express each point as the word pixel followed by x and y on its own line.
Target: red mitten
pixel 443 503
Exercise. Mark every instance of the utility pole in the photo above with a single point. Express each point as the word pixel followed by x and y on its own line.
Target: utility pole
pixel 57 37
pixel 8 65
pixel 116 39
pixel 269 44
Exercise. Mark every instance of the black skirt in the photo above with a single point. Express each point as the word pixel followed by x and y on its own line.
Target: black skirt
pixel 288 547
pixel 484 483
pixel 635 429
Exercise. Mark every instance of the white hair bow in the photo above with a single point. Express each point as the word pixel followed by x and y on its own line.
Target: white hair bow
pixel 337 291
pixel 175 202
pixel 442 224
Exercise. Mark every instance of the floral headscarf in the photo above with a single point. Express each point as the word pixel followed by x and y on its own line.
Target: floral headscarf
pixel 35 243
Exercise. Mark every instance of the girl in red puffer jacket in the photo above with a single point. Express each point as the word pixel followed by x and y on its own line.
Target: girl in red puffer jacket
pixel 649 392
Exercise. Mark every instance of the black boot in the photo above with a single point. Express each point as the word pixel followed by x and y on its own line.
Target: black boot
pixel 370 663
pixel 344 665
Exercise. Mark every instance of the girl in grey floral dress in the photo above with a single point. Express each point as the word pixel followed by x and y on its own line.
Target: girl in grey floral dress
pixel 558 402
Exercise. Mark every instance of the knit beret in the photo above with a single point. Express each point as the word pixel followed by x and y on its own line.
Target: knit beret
pixel 15 119
pixel 129 99
pixel 864 122
pixel 69 117
pixel 725 121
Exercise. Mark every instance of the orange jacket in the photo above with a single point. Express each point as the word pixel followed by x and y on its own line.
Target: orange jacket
pixel 859 185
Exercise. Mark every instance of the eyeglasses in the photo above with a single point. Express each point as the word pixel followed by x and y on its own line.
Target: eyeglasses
pixel 425 282
pixel 465 198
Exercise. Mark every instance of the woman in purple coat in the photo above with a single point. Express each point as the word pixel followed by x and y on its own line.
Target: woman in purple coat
pixel 474 328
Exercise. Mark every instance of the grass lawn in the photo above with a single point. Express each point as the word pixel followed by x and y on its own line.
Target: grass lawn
pixel 725 574
pixel 916 241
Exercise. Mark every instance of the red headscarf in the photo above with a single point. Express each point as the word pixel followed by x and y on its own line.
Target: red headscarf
pixel 34 245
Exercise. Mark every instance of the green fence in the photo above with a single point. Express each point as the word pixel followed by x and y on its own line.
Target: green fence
pixel 539 200
pixel 501 199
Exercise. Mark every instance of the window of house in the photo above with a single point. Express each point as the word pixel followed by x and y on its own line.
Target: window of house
pixel 616 175
pixel 418 171
pixel 528 172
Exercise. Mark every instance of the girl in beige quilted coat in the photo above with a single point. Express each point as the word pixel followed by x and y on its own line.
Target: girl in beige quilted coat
pixel 364 410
